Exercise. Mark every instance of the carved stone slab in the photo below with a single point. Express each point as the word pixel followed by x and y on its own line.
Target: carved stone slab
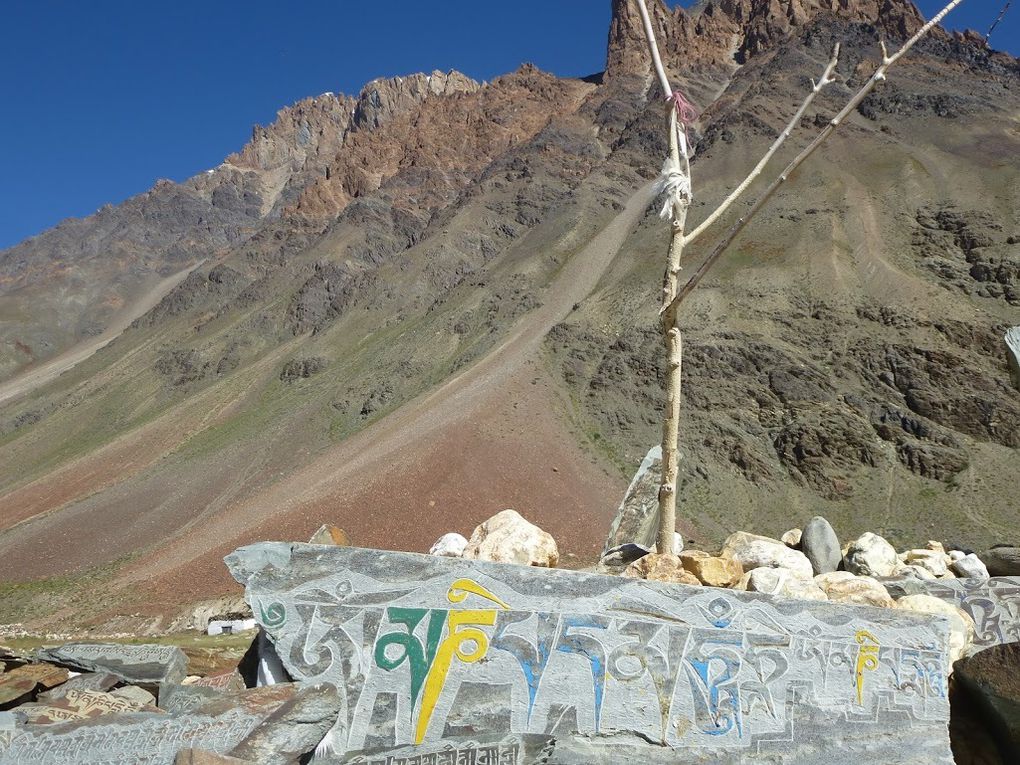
pixel 140 739
pixel 133 663
pixel 218 725
pixel 80 705
pixel 90 681
pixel 994 604
pixel 434 651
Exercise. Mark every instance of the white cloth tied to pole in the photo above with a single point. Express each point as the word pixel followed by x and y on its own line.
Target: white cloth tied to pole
pixel 676 185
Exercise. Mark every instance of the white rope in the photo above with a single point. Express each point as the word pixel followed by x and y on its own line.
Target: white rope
pixel 676 185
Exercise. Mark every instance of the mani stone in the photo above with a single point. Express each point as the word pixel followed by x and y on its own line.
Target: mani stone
pixel 205 757
pixel 90 681
pixel 820 544
pixel 993 604
pixel 507 537
pixel 185 698
pixel 148 664
pixel 439 658
pixel 80 705
pixel 136 738
pixel 871 555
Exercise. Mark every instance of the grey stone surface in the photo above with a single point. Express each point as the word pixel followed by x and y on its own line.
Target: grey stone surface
pixel 991 679
pixel 1003 560
pixel 147 664
pixel 637 518
pixel 993 604
pixel 818 541
pixel 294 729
pixel 433 652
pixel 90 681
pixel 139 739
pixel 184 698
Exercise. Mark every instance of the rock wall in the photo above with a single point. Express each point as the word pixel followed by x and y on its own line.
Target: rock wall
pixel 514 665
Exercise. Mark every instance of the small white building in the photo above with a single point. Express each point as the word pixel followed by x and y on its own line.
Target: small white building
pixel 229 627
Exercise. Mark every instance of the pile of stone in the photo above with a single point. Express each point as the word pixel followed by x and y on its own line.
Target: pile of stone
pixel 806 564
pixel 114 702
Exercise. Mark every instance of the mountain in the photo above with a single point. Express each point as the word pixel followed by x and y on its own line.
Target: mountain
pixel 411 309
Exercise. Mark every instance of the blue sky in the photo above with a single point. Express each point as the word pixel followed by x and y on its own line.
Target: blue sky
pixel 102 98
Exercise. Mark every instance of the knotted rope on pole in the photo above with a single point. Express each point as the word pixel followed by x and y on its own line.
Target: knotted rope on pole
pixel 676 185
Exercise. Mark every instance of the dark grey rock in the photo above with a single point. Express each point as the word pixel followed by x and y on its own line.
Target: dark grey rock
pixel 184 698
pixel 991 680
pixel 820 544
pixel 623 555
pixel 140 664
pixel 293 730
pixel 1002 560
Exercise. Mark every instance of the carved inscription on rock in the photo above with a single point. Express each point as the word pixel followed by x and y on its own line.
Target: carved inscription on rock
pixel 426 651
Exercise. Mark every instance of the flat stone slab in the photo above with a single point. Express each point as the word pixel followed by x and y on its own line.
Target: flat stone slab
pixel 19 683
pixel 145 664
pixel 90 681
pixel 433 651
pixel 143 738
pixel 80 705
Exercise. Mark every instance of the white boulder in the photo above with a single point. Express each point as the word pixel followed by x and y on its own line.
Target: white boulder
pixel 752 551
pixel 871 555
pixel 961 625
pixel 449 546
pixel 780 581
pixel 970 567
pixel 936 562
pixel 844 587
pixel 508 538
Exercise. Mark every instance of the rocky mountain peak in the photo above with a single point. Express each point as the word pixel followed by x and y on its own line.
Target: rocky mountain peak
pixel 727 32
pixel 382 98
pixel 311 126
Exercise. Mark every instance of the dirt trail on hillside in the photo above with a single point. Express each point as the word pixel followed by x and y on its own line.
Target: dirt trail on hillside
pixel 50 369
pixel 484 440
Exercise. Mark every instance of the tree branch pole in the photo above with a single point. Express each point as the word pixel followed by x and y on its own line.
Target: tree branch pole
pixel 834 124
pixel 816 88
pixel 677 165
